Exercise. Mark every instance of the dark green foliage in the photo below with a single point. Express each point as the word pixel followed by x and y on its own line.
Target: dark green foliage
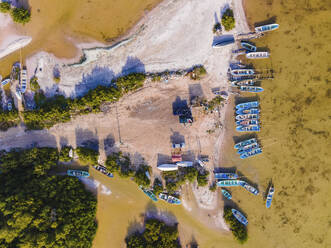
pixel 189 173
pixel 228 20
pixel 197 72
pixel 217 27
pixel 239 230
pixel 157 186
pixel 9 119
pixel 87 156
pixel 60 109
pixel 213 187
pixel 202 178
pixel 34 84
pixel 140 176
pixel 42 211
pixel 20 15
pixel 117 162
pixel 156 234
pixel 216 101
pixel 5 7
pixel 64 154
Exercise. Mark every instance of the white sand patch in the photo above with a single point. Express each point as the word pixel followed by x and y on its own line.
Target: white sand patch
pixel 13 43
pixel 186 205
pixel 5 20
pixel 205 198
pixel 94 185
pixel 220 222
pixel 105 190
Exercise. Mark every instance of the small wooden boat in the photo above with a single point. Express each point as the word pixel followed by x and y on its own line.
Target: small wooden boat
pixel 250 188
pixel 250 128
pixel 226 194
pixel 222 176
pixel 247 111
pixel 229 183
pixel 266 28
pixel 245 143
pixel 77 173
pixel 247 122
pixel 251 153
pixel 149 193
pixel 269 196
pixel 103 170
pixel 248 148
pixel 239 216
pixel 257 55
pixel 242 72
pixel 170 199
pixel 247 105
pixel 254 89
pixel 249 82
pixel 247 116
pixel 6 81
pixel 248 46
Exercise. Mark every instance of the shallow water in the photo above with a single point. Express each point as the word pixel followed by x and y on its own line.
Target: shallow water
pixel 52 22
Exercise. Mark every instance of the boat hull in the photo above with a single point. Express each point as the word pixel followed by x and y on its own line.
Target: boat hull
pixel 240 217
pixel 247 105
pixel 244 143
pixel 252 153
pixel 229 183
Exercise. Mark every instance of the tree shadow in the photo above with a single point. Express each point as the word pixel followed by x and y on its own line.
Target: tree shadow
pixel 216 18
pixel 224 9
pixel 163 159
pixel 232 169
pixel 177 138
pixel 87 138
pixel 137 159
pixel 132 65
pixel 189 156
pixel 98 76
pixel 63 141
pixel 109 144
pixel 223 39
pixel 247 136
pixel 19 3
pixel 195 90
pixel 151 212
pixel 240 99
pixel 271 20
pixel 134 227
pixel 178 105
pixel 193 243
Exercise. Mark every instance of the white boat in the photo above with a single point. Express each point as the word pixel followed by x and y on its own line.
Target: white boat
pixel 257 55
pixel 242 72
pixel 4 82
pixel 167 167
pixel 266 28
pixel 185 164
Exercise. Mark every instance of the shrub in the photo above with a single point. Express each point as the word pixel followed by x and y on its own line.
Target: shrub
pixel 216 101
pixel 34 84
pixel 213 187
pixel 87 155
pixel 239 230
pixel 197 72
pixel 64 154
pixel 119 163
pixel 228 20
pixel 190 174
pixel 202 178
pixel 20 15
pixel 140 176
pixel 217 27
pixel 5 7
pixel 157 187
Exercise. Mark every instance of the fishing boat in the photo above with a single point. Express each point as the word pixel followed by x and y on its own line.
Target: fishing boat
pixel 269 196
pixel 247 105
pixel 247 116
pixel 4 82
pixel 242 72
pixel 226 194
pixel 250 128
pixel 170 199
pixel 248 148
pixel 167 167
pixel 266 28
pixel 239 216
pixel 248 46
pixel 247 122
pixel 254 89
pixel 257 55
pixel 251 153
pixel 222 176
pixel 247 111
pixel 184 164
pixel 244 143
pixel 250 188
pixel 77 173
pixel 249 82
pixel 149 193
pixel 229 183
pixel 103 170
pixel 23 79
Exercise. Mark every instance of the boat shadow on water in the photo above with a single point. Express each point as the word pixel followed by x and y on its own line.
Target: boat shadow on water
pixel 241 99
pixel 241 138
pixel 271 20
pixel 265 193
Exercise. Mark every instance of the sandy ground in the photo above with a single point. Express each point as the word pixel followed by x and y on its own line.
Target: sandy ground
pixel 175 35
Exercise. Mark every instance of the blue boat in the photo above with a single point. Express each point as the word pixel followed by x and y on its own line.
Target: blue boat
pixel 250 188
pixel 247 122
pixel 247 111
pixel 77 173
pixel 247 105
pixel 226 194
pixel 4 82
pixel 247 116
pixel 239 216
pixel 266 28
pixel 269 196
pixel 103 170
pixel 247 82
pixel 229 183
pixel 253 89
pixel 245 143
pixel 169 199
pixel 251 153
pixel 222 176
pixel 250 128
pixel 149 193
pixel 248 148
pixel 248 46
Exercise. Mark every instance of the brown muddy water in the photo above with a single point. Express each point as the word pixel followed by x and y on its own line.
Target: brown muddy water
pixel 53 22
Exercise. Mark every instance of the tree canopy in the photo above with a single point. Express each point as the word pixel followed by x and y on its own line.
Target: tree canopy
pixel 38 209
pixel 156 234
pixel 5 7
pixel 228 20
pixel 20 15
pixel 239 231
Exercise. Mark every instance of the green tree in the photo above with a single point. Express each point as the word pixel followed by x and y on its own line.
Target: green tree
pixel 20 15
pixel 202 178
pixel 87 155
pixel 239 230
pixel 34 84
pixel 5 7
pixel 228 20
pixel 140 176
pixel 157 186
pixel 190 174
pixel 64 154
